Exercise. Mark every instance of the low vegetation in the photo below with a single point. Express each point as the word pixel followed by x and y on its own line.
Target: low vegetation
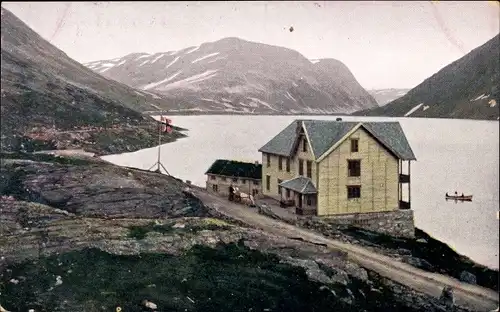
pixel 226 278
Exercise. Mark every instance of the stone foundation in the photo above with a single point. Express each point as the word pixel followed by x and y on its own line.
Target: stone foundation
pixel 398 223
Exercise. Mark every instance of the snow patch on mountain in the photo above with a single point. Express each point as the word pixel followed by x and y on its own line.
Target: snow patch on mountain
pixel 255 100
pixel 121 63
pixel 152 94
pixel 191 80
pixel 155 84
pixel 171 63
pixel 138 93
pixel 414 109
pixel 192 50
pixel 216 59
pixel 204 57
pixel 144 63
pixel 290 96
pixel 158 57
pixel 142 56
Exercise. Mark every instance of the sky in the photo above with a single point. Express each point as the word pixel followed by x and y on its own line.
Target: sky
pixel 385 44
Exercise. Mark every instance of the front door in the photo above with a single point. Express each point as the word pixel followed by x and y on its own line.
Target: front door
pixel 300 201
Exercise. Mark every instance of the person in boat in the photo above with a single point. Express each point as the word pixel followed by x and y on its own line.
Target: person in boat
pixel 231 192
pixel 463 195
pixel 447 194
pixel 456 193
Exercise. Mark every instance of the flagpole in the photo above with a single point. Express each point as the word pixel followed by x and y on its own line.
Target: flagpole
pixel 158 163
pixel 159 141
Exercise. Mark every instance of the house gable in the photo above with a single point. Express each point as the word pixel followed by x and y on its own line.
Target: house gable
pixel 301 134
pixel 337 143
pixel 386 134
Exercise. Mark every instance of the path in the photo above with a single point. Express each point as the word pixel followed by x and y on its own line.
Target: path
pixel 469 296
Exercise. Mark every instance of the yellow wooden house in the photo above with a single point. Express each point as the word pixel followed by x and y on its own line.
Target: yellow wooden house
pixel 337 167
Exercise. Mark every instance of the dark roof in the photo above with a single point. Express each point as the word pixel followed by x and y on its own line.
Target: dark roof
pixel 300 184
pixel 323 134
pixel 233 168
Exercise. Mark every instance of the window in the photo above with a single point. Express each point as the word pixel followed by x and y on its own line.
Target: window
pixel 309 169
pixel 301 167
pixel 215 188
pixel 279 187
pixel 353 191
pixel 354 145
pixel 304 145
pixel 255 182
pixel 223 179
pixel 354 168
pixel 268 183
pixel 287 193
pixel 212 177
pixel 243 181
pixel 255 192
pixel 280 163
pixel 268 160
pixel 235 179
pixel 309 201
pixel 287 164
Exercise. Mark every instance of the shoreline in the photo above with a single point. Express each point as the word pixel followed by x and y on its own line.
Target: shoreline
pixel 222 113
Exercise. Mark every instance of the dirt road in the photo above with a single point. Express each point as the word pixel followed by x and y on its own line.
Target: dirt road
pixel 469 296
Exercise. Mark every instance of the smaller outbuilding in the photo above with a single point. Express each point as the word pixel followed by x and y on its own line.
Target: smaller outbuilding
pixel 243 175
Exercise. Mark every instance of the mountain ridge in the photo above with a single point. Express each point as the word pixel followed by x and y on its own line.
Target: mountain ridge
pixel 239 76
pixel 466 88
pixel 387 95
pixel 50 101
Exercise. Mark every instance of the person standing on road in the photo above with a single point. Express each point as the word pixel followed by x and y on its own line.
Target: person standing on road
pixel 231 192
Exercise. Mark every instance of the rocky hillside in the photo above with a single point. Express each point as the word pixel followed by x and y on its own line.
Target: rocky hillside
pixel 467 88
pixel 384 96
pixel 237 76
pixel 85 235
pixel 50 101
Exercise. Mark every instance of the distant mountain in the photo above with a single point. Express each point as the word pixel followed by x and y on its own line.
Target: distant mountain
pixel 467 88
pixel 384 96
pixel 238 76
pixel 50 101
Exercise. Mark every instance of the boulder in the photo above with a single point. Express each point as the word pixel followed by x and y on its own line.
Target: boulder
pixel 468 277
pixel 57 199
pixel 149 304
pixel 418 263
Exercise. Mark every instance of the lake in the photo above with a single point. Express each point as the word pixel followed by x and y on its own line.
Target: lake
pixel 452 155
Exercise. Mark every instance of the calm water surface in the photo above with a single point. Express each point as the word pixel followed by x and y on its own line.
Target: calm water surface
pixel 452 155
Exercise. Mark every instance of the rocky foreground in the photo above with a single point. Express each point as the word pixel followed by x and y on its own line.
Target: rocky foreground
pixel 85 235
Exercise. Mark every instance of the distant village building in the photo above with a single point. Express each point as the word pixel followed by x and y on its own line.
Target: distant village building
pixel 337 167
pixel 246 176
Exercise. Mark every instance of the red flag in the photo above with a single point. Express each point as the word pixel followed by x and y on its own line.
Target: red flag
pixel 165 127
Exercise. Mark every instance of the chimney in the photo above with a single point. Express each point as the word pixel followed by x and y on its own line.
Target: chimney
pixel 299 127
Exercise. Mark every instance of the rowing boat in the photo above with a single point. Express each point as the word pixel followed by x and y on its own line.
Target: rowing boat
pixel 459 197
